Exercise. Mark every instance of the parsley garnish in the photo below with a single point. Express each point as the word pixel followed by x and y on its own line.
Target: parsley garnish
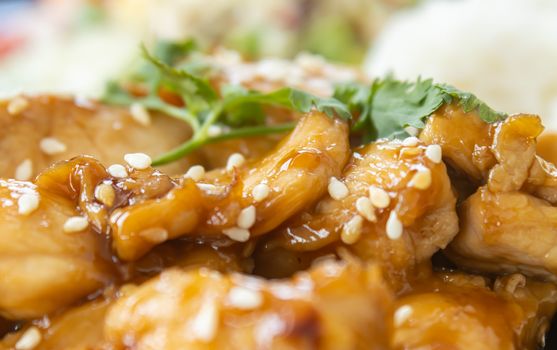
pixel 383 109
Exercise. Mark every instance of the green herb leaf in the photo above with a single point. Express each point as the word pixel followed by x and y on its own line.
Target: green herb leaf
pixel 189 84
pixel 292 99
pixel 381 110
pixel 389 106
pixel 398 104
pixel 470 102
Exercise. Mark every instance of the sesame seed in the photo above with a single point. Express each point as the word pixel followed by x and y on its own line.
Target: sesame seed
pixel 516 280
pixel 352 230
pixel 237 234
pixel 235 160
pixel 246 218
pixel 29 340
pixel 402 314
pixel 205 323
pixel 52 146
pixel 379 197
pixel 138 161
pixel 24 170
pixel 260 192
pixel 196 172
pixel 140 114
pixel 365 208
pixel 75 224
pixel 27 203
pixel 411 141
pixel 214 130
pixel 154 234
pixel 105 194
pixel 409 151
pixel 421 179
pixel 434 153
pixel 394 226
pixel 243 298
pixel 207 187
pixel 412 130
pixel 337 189
pixel 17 105
pixel 117 170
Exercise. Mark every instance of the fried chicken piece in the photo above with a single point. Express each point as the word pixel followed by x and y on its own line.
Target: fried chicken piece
pixel 455 311
pixel 509 231
pixel 44 268
pixel 294 175
pixel 334 306
pixel 107 133
pixel 408 214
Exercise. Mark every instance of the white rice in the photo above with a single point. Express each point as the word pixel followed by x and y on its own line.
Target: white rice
pixel 504 51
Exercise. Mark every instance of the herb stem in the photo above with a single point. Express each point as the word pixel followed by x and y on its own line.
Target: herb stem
pixel 253 131
pixel 175 112
pixel 198 142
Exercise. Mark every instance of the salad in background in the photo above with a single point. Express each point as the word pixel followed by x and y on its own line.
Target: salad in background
pixel 69 46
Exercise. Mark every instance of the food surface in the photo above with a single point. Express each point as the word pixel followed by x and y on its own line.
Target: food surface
pixel 207 202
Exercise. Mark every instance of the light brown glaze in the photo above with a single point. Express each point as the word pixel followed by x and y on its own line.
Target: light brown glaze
pixel 86 128
pixel 509 232
pixel 459 312
pixel 297 173
pixel 194 310
pixel 428 215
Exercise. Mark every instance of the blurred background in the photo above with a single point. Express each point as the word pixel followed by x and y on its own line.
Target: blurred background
pixel 505 51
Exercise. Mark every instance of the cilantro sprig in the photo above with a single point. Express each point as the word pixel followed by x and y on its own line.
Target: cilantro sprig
pixel 238 111
pixel 389 106
pixel 383 109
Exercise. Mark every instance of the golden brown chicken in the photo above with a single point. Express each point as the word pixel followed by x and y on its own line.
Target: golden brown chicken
pixel 460 312
pixel 45 263
pixel 46 129
pixel 206 310
pixel 510 232
pixel 243 200
pixel 393 204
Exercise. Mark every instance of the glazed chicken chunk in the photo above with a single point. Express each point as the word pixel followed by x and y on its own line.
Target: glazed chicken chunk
pixel 510 231
pixel 507 224
pixel 49 256
pixel 457 311
pixel 243 200
pixel 206 310
pixel 51 129
pixel 393 204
